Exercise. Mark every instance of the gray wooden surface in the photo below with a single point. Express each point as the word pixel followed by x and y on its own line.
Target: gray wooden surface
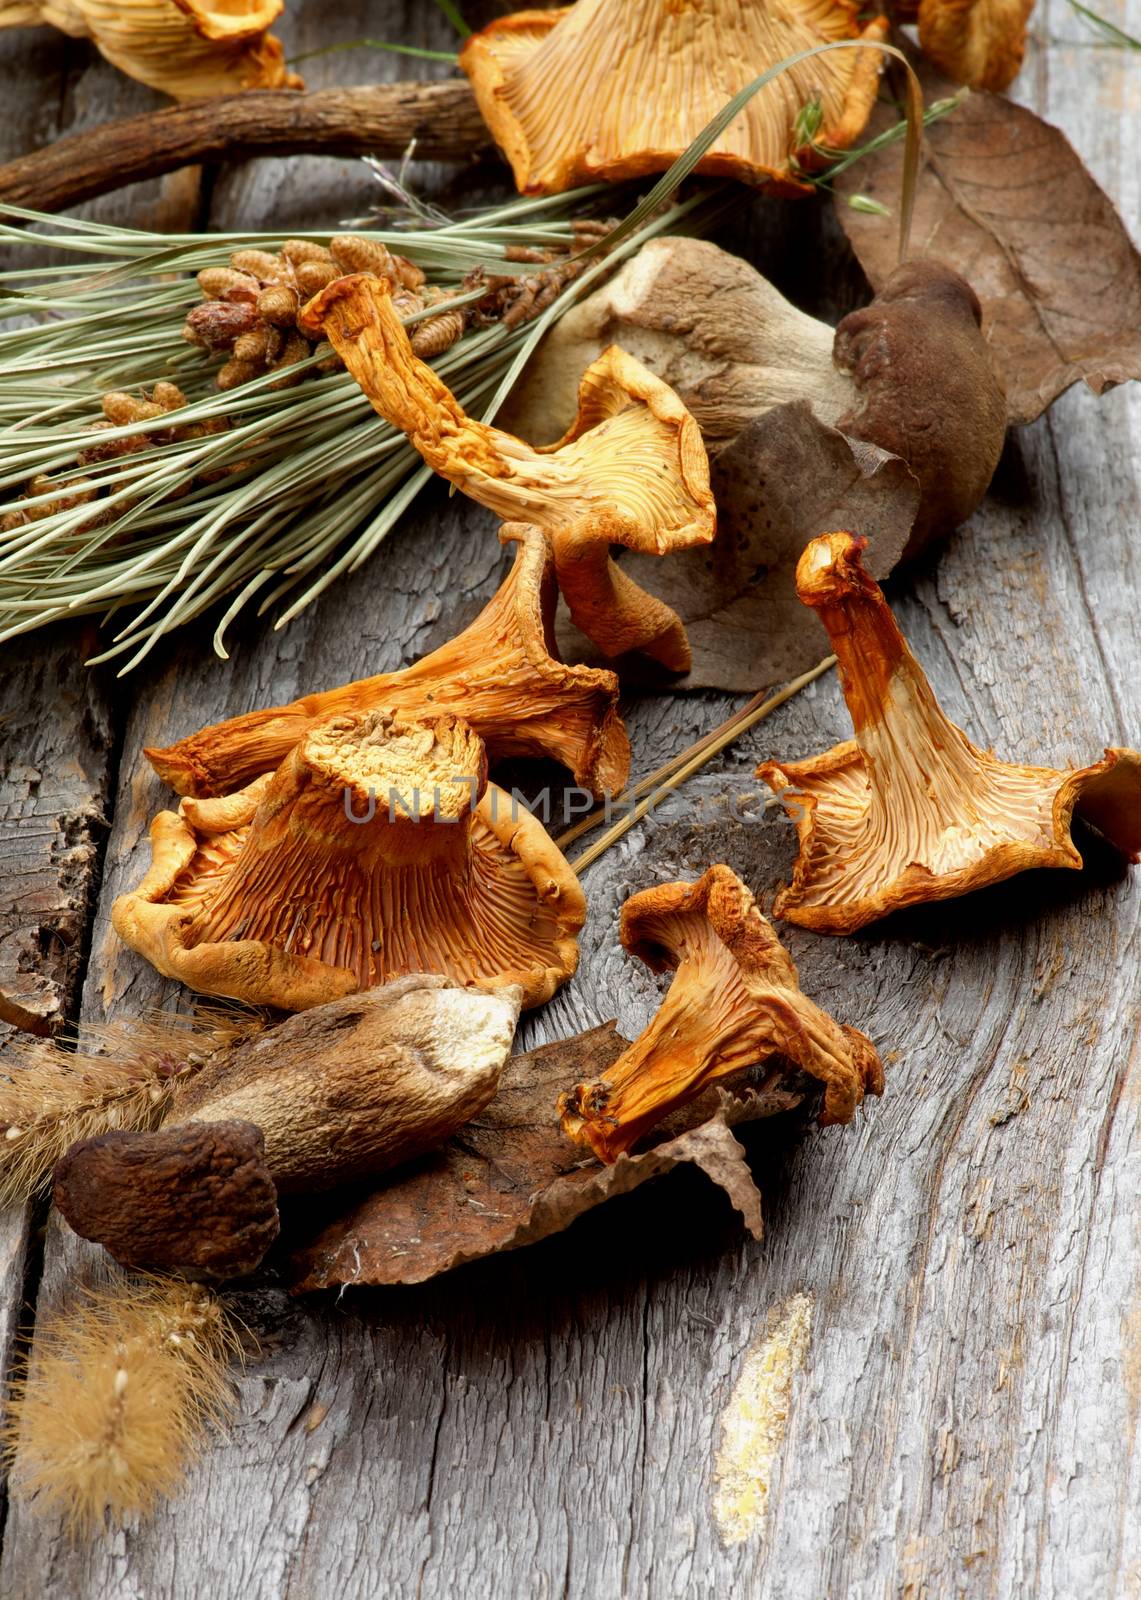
pixel 965 1418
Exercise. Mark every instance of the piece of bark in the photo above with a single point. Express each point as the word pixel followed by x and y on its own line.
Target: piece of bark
pixel 784 479
pixel 1004 199
pixel 511 1177
pixel 379 119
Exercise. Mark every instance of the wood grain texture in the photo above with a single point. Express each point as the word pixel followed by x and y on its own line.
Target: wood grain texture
pixel 548 1423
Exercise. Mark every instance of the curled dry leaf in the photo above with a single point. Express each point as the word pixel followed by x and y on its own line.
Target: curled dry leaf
pixel 618 88
pixel 322 1099
pixel 910 810
pixel 510 1177
pixel 1004 198
pixel 632 469
pixel 376 849
pixel 500 674
pixel 184 48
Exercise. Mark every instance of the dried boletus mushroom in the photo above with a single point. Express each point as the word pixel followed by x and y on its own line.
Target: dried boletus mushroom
pixel 326 1098
pixel 911 372
pixel 617 88
pixel 631 470
pixel 501 675
pixel 910 810
pixel 734 1001
pixel 184 48
pixel 377 848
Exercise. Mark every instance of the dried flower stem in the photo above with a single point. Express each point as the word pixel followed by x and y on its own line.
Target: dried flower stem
pixel 683 766
pixel 114 1404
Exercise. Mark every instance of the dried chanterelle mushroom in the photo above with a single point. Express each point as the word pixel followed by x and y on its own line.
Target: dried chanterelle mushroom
pixel 500 674
pixel 632 469
pixel 320 1100
pixel 184 48
pixel 911 372
pixel 618 88
pixel 977 42
pixel 376 849
pixel 734 1001
pixel 910 810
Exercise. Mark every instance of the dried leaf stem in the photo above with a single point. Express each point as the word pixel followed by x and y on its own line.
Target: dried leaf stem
pixel 652 790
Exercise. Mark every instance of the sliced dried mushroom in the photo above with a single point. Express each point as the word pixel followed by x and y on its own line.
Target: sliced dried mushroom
pixel 501 675
pixel 977 42
pixel 734 1001
pixel 617 88
pixel 910 373
pixel 911 810
pixel 317 1101
pixel 184 48
pixel 376 849
pixel 632 469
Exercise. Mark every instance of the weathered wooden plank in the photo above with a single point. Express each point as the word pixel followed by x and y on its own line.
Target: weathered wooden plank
pixel 964 1420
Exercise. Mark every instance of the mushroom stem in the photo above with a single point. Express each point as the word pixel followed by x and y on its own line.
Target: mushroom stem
pixel 500 674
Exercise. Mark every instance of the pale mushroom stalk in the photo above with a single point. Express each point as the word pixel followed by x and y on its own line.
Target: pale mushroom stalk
pixel 615 89
pixel 326 1098
pixel 735 1001
pixel 376 849
pixel 631 470
pixel 910 373
pixel 185 48
pixel 501 674
pixel 911 810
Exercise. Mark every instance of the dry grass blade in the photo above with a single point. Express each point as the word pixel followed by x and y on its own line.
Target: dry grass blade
pixel 675 772
pixel 122 1383
pixel 50 1095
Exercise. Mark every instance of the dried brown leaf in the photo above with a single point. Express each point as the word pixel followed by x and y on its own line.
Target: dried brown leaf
pixel 1005 200
pixel 784 479
pixel 511 1177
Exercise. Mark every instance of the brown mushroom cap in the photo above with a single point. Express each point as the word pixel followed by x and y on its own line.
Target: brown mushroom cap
pixel 377 848
pixel 735 1000
pixel 632 469
pixel 977 42
pixel 196 1200
pixel 615 89
pixel 911 810
pixel 502 675
pixel 910 373
pixel 184 48
pixel 927 390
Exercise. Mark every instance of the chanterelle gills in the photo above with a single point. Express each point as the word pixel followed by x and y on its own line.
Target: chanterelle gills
pixel 910 810
pixel 618 88
pixel 377 848
pixel 501 675
pixel 735 1000
pixel 631 471
pixel 185 48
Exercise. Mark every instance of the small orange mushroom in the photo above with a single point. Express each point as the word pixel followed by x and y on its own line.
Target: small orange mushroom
pixel 184 48
pixel 376 849
pixel 615 89
pixel 910 810
pixel 632 470
pixel 735 1001
pixel 976 42
pixel 500 674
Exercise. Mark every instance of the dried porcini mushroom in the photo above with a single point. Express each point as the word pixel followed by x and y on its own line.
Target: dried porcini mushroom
pixel 500 674
pixel 617 88
pixel 910 373
pixel 631 470
pixel 734 1001
pixel 376 849
pixel 911 810
pixel 977 42
pixel 184 48
pixel 320 1100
